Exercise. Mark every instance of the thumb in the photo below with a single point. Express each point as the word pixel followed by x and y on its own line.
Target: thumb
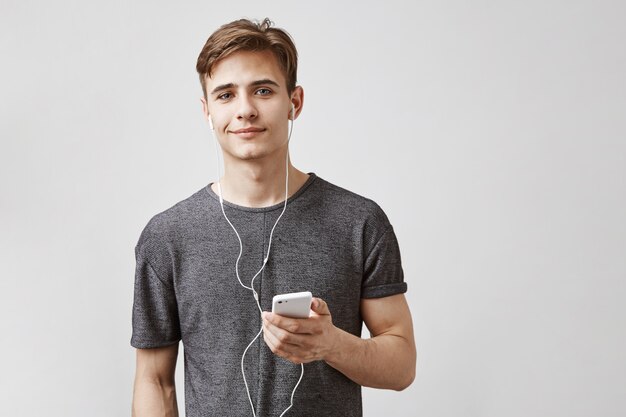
pixel 320 307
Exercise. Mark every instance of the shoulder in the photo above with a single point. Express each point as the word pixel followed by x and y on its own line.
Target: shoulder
pixel 171 223
pixel 351 205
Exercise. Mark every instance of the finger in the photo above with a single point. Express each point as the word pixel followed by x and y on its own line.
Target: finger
pixel 289 352
pixel 270 342
pixel 320 307
pixel 281 336
pixel 280 348
pixel 299 326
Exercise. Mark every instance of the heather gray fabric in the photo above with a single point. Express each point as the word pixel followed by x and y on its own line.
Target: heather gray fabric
pixel 332 242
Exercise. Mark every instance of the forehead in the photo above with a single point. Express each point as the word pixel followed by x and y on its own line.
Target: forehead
pixel 244 67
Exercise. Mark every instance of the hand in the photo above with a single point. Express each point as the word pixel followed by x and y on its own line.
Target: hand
pixel 301 340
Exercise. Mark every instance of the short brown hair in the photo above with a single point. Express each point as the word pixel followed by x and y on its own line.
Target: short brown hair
pixel 247 35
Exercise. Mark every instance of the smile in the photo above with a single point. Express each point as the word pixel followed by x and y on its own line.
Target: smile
pixel 248 130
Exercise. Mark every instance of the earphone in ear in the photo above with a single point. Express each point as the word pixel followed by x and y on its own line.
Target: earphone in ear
pixel 293 111
pixel 211 122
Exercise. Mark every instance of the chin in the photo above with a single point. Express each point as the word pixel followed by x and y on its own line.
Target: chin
pixel 252 152
pixel 251 155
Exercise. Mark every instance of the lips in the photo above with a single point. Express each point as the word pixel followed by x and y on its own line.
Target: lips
pixel 248 132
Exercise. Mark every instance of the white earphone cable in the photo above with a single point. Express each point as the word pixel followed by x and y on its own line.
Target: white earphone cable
pixel 266 258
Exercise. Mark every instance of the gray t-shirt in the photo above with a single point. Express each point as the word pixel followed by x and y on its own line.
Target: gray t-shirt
pixel 330 241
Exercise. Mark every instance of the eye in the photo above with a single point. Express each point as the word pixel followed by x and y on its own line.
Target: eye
pixel 263 91
pixel 224 96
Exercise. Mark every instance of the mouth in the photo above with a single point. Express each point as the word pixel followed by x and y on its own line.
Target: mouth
pixel 248 132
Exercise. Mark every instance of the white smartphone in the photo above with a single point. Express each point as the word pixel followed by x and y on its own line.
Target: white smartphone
pixel 296 304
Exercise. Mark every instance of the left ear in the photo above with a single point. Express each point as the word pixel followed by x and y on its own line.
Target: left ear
pixel 297 100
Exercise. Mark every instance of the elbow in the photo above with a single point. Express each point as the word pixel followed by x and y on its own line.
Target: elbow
pixel 408 373
pixel 405 381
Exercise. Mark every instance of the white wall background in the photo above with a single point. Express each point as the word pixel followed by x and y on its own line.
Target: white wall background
pixel 492 133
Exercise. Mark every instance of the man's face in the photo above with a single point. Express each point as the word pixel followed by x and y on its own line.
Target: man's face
pixel 249 106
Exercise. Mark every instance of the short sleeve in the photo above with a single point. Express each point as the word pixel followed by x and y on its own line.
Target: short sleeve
pixel 155 311
pixel 383 275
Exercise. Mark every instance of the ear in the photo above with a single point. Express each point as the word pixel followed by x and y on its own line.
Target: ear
pixel 297 100
pixel 205 108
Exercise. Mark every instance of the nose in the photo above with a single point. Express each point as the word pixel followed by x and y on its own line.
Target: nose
pixel 247 109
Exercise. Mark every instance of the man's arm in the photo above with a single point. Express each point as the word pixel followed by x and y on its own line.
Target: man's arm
pixel 386 360
pixel 154 394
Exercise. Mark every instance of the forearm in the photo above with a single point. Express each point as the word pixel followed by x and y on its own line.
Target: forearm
pixel 385 361
pixel 153 398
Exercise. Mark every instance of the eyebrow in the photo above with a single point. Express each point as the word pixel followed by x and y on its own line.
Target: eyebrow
pixel 265 81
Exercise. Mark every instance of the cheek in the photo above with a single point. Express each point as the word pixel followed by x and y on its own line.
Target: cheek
pixel 220 124
pixel 219 116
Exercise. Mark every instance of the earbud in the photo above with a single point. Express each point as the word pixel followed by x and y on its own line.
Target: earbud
pixel 211 123
pixel 293 111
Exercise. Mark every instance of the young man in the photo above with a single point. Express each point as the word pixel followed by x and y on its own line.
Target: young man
pixel 193 279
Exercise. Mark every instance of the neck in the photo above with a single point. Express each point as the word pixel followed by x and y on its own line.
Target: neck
pixel 258 183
